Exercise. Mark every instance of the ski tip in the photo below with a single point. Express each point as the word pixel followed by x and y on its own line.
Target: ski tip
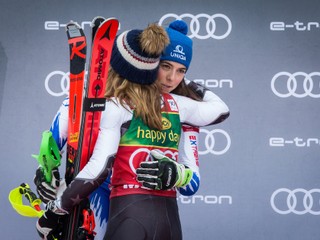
pixel 95 24
pixel 72 25
pixel 96 21
pixel 110 23
pixel 111 19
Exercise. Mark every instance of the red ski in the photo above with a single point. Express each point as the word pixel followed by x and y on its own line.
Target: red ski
pixel 78 50
pixel 94 101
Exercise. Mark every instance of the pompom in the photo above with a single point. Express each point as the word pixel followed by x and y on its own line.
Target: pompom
pixel 179 26
pixel 154 39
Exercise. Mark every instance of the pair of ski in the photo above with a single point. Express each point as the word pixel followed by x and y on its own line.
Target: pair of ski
pixel 86 102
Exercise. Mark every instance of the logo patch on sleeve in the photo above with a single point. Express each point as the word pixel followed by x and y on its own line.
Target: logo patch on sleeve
pixel 172 105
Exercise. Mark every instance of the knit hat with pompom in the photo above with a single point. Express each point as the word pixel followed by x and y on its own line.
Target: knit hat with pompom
pixel 180 47
pixel 136 53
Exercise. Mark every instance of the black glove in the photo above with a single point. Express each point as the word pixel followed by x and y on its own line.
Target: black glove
pixel 49 226
pixel 46 191
pixel 197 88
pixel 163 173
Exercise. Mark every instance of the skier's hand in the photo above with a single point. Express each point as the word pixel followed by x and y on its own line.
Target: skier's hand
pixel 45 190
pixel 197 88
pixel 162 173
pixel 49 225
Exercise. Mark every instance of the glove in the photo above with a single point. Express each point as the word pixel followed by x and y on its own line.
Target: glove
pixel 46 191
pixel 49 224
pixel 163 173
pixel 197 88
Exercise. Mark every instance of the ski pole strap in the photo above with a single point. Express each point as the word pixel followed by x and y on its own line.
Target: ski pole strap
pixel 15 198
pixel 31 196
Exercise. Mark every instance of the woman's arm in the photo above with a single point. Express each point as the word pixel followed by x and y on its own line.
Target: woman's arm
pixel 96 170
pixel 202 113
pixel 188 156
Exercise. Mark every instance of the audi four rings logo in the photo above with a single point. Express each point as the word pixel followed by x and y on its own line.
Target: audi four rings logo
pixel 57 83
pixel 60 77
pixel 298 201
pixel 298 84
pixel 200 29
pixel 211 144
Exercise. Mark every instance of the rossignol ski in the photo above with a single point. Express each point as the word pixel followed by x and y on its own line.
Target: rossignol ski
pixel 81 221
pixel 78 50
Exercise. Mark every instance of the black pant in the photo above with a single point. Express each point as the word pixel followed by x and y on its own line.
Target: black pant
pixel 143 217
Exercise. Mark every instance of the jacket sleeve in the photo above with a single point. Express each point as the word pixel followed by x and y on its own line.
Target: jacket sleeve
pixel 97 170
pixel 210 111
pixel 188 156
pixel 59 126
